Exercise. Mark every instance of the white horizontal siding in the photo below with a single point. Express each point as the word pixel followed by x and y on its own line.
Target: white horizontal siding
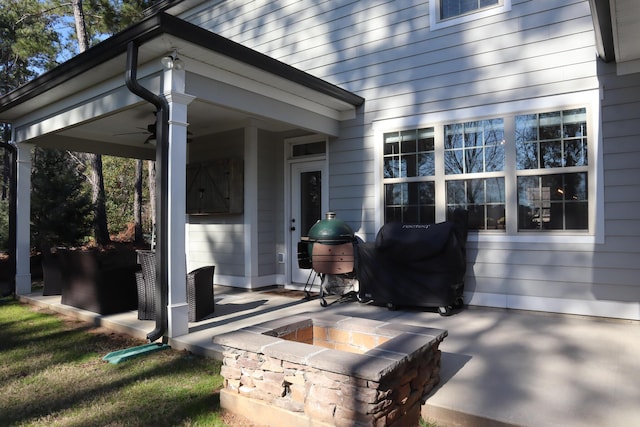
pixel 621 128
pixel 216 244
pixel 593 279
pixel 584 276
pixel 386 52
pixel 629 228
pixel 560 290
pixel 268 218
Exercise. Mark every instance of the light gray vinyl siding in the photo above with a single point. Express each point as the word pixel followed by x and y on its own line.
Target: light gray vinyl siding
pixel 269 217
pixel 598 272
pixel 385 52
pixel 216 239
pixel 620 253
pixel 220 244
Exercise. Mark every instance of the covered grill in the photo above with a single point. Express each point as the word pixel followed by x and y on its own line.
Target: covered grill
pixel 408 264
pixel 416 264
pixel 329 251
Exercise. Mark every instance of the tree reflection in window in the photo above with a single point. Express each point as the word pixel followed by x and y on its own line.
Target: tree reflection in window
pixel 552 140
pixel 474 147
pixel 483 198
pixel 410 202
pixel 409 153
pixel 553 202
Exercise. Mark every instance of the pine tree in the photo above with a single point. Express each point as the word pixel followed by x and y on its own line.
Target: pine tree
pixel 60 200
pixel 106 17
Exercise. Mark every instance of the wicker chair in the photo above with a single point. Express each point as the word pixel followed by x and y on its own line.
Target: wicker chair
pixel 199 289
pixel 200 293
pixel 146 283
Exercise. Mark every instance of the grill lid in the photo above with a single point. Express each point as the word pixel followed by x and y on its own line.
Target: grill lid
pixel 330 231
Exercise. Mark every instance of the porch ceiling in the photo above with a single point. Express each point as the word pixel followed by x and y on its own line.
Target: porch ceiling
pixel 83 105
pixel 618 32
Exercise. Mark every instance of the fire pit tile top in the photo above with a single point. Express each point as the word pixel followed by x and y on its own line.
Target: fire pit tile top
pixel 362 348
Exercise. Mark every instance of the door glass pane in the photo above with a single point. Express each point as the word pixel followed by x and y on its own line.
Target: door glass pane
pixel 310 200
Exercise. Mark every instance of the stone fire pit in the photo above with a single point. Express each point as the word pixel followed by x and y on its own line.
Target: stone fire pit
pixel 319 369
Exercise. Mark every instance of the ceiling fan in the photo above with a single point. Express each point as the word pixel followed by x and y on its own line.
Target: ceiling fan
pixel 150 131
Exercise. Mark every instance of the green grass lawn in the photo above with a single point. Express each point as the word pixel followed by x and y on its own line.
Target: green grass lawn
pixel 52 374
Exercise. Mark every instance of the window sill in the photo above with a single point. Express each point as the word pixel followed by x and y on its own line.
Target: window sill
pixel 546 237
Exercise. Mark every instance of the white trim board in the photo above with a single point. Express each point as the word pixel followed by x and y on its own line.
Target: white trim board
pixel 243 282
pixel 596 308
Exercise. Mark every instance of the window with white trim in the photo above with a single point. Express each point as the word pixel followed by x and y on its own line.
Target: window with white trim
pixel 552 165
pixel 445 13
pixel 453 8
pixel 545 188
pixel 409 176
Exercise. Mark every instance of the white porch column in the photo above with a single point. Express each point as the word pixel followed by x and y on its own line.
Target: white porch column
pixel 23 219
pixel 177 309
pixel 251 203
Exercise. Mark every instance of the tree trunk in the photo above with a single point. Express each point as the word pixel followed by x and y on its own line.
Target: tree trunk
pixel 100 229
pixel 81 29
pixel 137 203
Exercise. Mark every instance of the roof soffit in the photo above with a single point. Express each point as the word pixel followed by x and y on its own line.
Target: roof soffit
pixel 618 32
pixel 158 35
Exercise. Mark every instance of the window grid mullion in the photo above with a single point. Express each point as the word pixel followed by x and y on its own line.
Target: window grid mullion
pixel 441 188
pixel 510 179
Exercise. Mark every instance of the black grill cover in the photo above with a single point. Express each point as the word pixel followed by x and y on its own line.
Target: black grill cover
pixel 415 265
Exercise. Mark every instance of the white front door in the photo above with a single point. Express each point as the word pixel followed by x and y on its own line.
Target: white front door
pixel 308 201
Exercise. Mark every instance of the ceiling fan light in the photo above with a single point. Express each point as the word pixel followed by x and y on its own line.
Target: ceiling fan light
pixel 172 61
pixel 167 62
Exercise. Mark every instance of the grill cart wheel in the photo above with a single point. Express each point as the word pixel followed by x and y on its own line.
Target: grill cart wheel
pixel 445 310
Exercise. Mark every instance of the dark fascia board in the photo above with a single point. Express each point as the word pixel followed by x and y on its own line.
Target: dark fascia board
pixel 601 15
pixel 162 23
pixel 83 62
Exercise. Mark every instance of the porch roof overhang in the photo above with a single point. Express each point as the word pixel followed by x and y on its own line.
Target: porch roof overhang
pixel 617 33
pixel 83 104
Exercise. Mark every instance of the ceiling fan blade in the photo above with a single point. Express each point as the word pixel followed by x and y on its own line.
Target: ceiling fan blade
pixel 131 133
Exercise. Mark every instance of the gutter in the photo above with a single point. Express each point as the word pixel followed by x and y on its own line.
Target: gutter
pixel 162 187
pixel 601 16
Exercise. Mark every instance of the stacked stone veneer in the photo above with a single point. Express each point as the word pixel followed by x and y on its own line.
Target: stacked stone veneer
pixel 334 370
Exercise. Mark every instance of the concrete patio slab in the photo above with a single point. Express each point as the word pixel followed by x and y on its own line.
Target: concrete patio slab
pixel 499 367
